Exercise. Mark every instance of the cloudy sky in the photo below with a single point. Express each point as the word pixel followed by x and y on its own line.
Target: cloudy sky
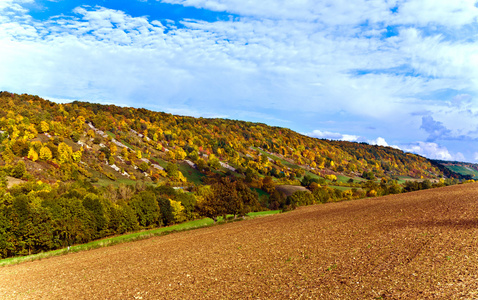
pixel 402 73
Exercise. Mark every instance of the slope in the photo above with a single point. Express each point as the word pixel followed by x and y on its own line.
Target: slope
pixel 110 142
pixel 409 246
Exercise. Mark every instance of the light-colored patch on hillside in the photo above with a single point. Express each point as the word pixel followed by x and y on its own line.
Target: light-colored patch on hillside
pixel 14 181
pixel 290 189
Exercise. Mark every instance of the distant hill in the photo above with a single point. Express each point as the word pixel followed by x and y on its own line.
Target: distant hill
pixel 462 170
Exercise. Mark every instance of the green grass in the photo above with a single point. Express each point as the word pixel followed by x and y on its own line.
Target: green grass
pixel 128 145
pixel 106 181
pixel 191 174
pixel 260 192
pixel 111 134
pixel 342 188
pixel 263 213
pixel 343 178
pixel 283 161
pixel 159 161
pixel 130 237
pixel 313 175
pixel 402 179
pixel 463 170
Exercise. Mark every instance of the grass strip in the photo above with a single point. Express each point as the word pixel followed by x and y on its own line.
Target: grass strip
pixel 129 237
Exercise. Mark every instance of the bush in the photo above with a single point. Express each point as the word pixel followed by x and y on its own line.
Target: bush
pixel 75 137
pixel 19 170
pixel 300 198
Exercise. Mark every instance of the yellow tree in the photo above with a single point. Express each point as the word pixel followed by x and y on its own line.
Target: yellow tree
pixel 77 155
pixel 30 132
pixel 64 153
pixel 32 154
pixel 113 148
pixel 80 123
pixel 124 152
pixel 45 153
pixel 178 211
pixel 170 155
pixel 180 154
pixel 44 126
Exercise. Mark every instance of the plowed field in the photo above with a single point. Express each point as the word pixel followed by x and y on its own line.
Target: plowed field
pixel 421 245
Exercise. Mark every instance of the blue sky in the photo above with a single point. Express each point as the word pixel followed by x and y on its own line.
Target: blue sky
pixel 402 73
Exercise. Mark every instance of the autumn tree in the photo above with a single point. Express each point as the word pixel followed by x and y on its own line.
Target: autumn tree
pixel 44 126
pixel 32 154
pixel 45 153
pixel 64 153
pixel 19 170
pixel 3 179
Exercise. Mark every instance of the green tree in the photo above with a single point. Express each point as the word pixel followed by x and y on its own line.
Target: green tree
pixel 248 200
pixel 300 198
pixel 188 201
pixel 209 205
pixel 19 170
pixel 94 205
pixel 167 214
pixel 3 179
pixel 172 170
pixel 276 200
pixel 213 162
pixel 144 167
pixel 146 208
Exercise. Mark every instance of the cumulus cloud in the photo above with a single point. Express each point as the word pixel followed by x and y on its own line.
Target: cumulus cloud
pixel 433 151
pixel 442 12
pixel 376 61
pixel 380 141
pixel 340 12
pixel 333 136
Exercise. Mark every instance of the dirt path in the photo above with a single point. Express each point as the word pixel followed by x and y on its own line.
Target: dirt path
pixel 421 245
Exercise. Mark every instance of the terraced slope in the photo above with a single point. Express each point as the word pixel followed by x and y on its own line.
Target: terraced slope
pixel 409 246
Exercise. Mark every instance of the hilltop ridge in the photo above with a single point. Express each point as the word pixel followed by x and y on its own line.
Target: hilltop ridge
pixel 107 141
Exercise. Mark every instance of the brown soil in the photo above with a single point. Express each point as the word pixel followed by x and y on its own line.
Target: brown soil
pixel 420 245
pixel 11 181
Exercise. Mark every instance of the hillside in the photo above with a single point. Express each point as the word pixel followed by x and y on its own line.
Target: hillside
pixel 72 173
pixel 411 246
pixel 110 142
pixel 463 169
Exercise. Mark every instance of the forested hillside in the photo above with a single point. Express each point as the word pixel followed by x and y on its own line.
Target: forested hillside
pixel 89 170
pixel 463 169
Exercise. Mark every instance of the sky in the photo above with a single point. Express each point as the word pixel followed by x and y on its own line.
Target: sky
pixel 399 73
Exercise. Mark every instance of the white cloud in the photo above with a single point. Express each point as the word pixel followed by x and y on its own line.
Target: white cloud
pixel 333 136
pixel 349 138
pixel 342 12
pixel 433 151
pixel 443 12
pixel 327 59
pixel 380 142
